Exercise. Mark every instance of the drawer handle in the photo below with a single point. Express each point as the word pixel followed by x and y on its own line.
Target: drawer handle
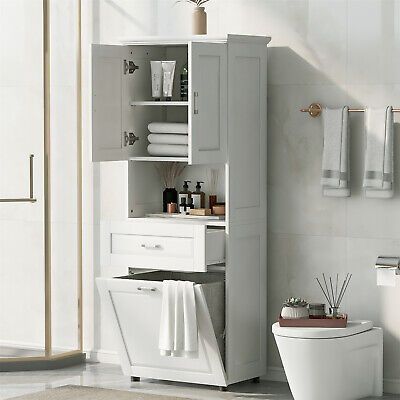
pixel 147 289
pixel 151 246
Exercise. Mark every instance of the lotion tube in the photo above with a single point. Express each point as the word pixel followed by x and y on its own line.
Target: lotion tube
pixel 156 79
pixel 168 68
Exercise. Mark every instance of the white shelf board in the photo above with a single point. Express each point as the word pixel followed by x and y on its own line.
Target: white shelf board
pixel 160 103
pixel 171 40
pixel 154 158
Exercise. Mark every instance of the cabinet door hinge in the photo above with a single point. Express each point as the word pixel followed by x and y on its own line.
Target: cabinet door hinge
pixel 129 138
pixel 130 67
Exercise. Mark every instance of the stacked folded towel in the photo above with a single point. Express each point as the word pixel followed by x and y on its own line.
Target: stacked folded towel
pixel 168 139
pixel 378 173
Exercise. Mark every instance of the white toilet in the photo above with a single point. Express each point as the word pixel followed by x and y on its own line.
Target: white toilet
pixel 332 363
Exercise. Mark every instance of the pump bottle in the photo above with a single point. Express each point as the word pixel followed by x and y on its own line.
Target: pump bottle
pixel 198 196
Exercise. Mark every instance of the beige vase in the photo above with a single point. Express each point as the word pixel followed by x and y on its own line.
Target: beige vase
pixel 199 21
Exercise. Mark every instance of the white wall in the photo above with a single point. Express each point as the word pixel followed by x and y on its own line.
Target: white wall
pixel 333 51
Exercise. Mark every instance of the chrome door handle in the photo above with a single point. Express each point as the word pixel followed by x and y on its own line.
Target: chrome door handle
pixel 150 246
pixel 31 198
pixel 147 289
pixel 195 106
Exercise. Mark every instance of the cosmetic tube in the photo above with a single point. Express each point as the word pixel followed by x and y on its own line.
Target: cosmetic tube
pixel 168 68
pixel 156 79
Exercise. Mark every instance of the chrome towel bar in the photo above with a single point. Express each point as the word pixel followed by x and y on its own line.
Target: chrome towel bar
pixel 31 198
pixel 315 110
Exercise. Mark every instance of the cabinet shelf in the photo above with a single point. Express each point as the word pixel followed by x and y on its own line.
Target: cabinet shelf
pixel 154 158
pixel 160 103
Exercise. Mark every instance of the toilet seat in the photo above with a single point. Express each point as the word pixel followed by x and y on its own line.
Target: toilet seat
pixel 353 328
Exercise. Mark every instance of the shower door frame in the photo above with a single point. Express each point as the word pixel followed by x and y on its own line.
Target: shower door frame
pixel 73 357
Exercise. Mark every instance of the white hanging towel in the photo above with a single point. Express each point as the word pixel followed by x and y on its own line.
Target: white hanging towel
pixel 168 127
pixel 168 150
pixel 178 327
pixel 335 158
pixel 165 138
pixel 378 165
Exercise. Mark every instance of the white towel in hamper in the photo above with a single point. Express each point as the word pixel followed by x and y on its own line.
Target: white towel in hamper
pixel 168 127
pixel 178 327
pixel 165 138
pixel 335 159
pixel 168 150
pixel 378 165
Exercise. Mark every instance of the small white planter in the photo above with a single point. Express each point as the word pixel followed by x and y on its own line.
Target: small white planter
pixel 294 312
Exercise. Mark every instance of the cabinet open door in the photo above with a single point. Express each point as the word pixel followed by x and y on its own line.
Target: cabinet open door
pixel 111 82
pixel 208 103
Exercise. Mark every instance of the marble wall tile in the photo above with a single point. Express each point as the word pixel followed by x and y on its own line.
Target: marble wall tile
pixel 295 142
pixel 365 300
pixel 373 41
pixel 20 42
pixel 294 261
pixel 64 294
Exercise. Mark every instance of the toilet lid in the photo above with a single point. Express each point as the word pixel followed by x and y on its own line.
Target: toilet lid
pixel 353 328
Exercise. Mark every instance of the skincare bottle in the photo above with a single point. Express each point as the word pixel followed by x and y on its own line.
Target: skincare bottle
pixel 185 83
pixel 185 192
pixel 156 79
pixel 190 205
pixel 168 68
pixel 199 196
pixel 182 206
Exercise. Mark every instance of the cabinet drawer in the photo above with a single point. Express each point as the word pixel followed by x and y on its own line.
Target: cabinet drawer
pixel 162 246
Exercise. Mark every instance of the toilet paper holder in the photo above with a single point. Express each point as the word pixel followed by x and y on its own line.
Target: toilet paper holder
pixel 388 263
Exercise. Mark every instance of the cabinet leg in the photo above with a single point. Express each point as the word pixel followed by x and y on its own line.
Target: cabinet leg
pixel 135 378
pixel 223 388
pixel 256 380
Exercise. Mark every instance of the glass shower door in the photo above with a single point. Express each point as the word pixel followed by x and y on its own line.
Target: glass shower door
pixel 40 185
pixel 22 272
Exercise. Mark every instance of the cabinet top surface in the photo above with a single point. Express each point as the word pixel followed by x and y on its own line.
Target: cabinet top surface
pixel 172 40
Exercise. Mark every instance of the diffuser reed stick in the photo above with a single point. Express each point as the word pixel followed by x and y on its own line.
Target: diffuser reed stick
pixel 169 172
pixel 213 176
pixel 331 295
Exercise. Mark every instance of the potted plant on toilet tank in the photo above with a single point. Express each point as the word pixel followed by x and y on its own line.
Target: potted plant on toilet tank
pixel 294 308
pixel 199 16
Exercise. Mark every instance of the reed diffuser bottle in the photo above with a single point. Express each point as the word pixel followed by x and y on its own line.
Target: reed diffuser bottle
pixel 169 172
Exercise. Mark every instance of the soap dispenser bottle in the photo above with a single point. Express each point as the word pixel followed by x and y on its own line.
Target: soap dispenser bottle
pixel 184 193
pixel 198 196
pixel 183 206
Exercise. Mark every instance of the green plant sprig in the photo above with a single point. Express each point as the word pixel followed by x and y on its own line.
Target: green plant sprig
pixel 197 3
pixel 295 302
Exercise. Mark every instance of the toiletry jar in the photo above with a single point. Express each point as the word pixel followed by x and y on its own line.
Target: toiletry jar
pixel 161 245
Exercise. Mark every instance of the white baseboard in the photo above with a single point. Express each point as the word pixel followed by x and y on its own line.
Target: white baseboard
pixel 277 374
pixel 103 356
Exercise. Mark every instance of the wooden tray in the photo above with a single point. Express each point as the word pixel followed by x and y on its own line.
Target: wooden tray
pixel 314 323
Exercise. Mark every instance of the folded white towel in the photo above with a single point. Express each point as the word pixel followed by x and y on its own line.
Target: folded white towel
pixel 335 159
pixel 178 327
pixel 168 150
pixel 168 127
pixel 165 138
pixel 378 166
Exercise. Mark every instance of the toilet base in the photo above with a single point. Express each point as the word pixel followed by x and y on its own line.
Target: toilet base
pixel 346 368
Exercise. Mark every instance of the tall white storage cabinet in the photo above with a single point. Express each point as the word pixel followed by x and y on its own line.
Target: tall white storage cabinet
pixel 227 129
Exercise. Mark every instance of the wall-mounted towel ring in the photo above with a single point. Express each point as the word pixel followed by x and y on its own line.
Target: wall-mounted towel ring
pixel 315 110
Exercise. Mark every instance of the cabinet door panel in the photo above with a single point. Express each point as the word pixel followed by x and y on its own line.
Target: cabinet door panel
pixel 109 87
pixel 208 103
